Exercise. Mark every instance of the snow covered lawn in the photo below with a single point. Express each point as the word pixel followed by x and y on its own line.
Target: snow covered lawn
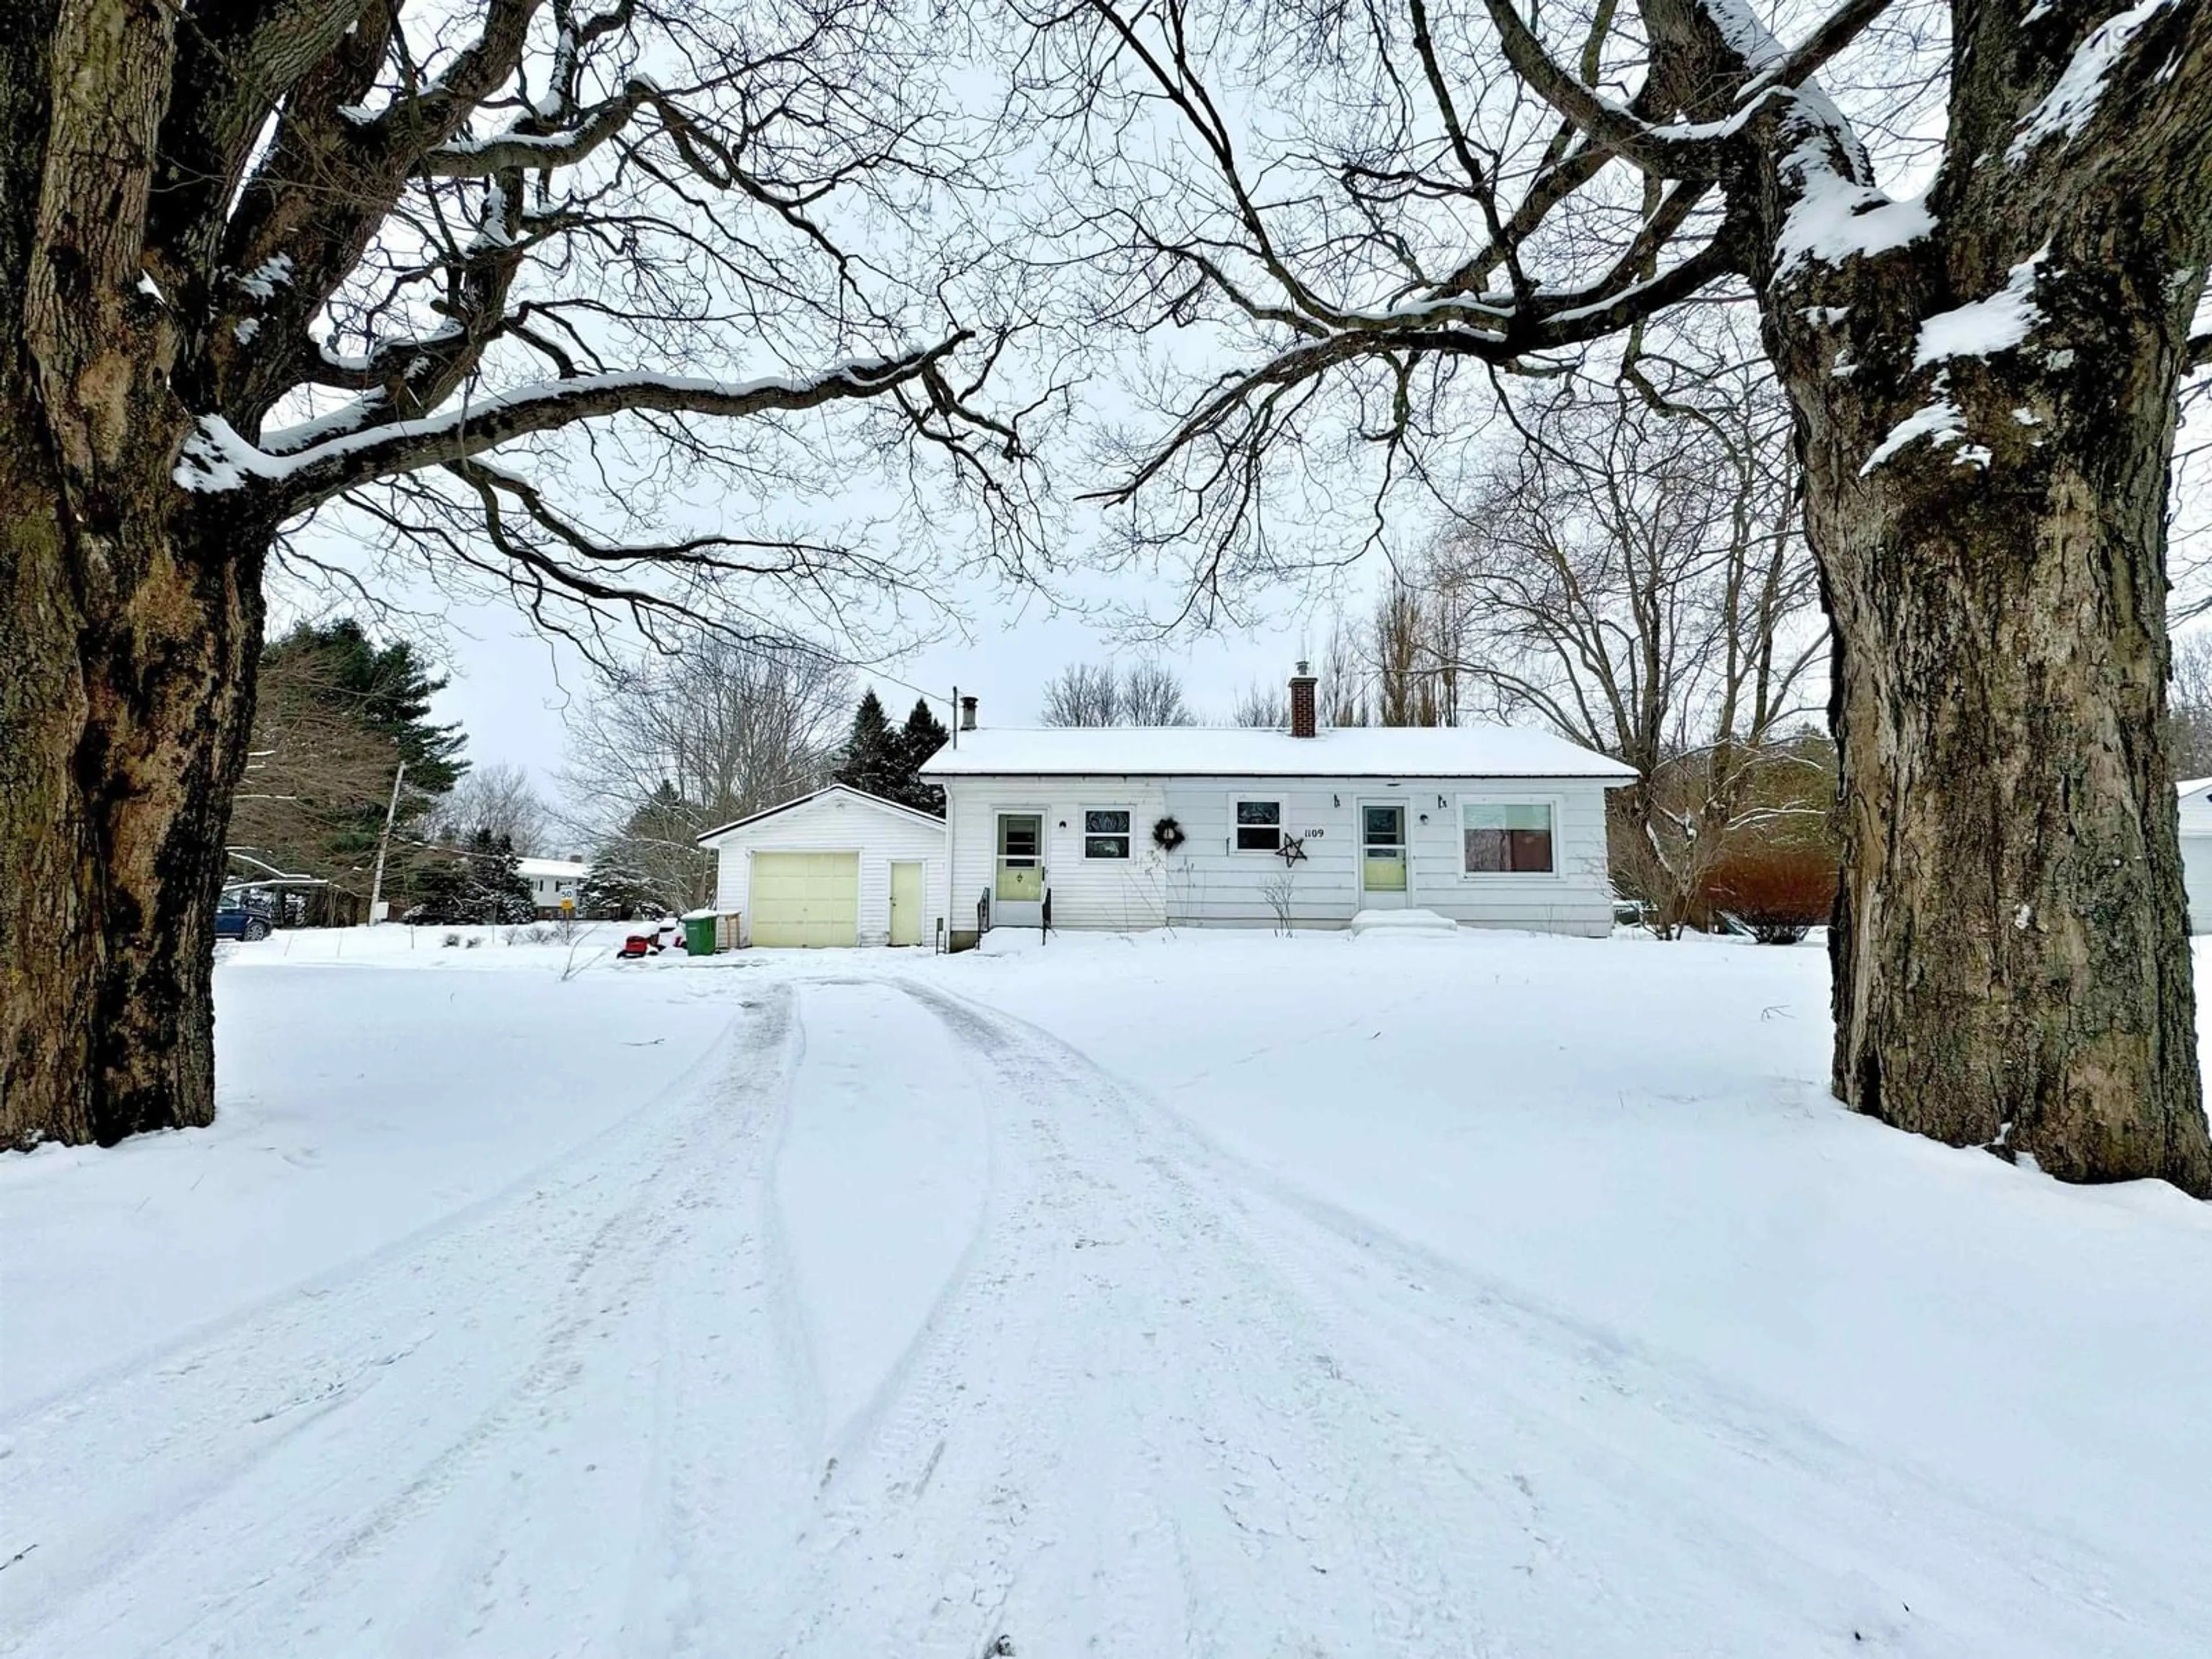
pixel 1212 1294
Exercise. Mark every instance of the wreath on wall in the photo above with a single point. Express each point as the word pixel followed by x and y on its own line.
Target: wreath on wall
pixel 1167 835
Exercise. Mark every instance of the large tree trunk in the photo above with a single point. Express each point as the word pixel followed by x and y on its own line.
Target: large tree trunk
pixel 130 612
pixel 124 706
pixel 2011 964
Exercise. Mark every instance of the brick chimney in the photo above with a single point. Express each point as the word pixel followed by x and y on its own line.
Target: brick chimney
pixel 966 713
pixel 1302 702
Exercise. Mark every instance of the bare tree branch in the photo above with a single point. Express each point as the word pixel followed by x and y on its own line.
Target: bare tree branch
pixel 312 463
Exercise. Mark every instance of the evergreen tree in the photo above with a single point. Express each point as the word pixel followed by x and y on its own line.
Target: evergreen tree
pixel 655 862
pixel 445 894
pixel 337 714
pixel 502 892
pixel 391 690
pixel 616 888
pixel 482 887
pixel 872 759
pixel 923 736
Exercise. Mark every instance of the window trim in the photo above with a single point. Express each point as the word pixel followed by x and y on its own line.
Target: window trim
pixel 1557 804
pixel 1279 803
pixel 1127 835
pixel 998 831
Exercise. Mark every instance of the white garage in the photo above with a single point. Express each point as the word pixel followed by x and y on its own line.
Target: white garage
pixel 837 867
pixel 2197 851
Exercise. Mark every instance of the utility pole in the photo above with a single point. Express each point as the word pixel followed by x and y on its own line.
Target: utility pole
pixel 383 845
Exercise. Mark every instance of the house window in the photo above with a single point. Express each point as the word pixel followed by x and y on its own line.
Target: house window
pixel 1106 833
pixel 1507 837
pixel 1259 826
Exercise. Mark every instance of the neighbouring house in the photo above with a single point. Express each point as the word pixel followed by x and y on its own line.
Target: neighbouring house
pixel 553 883
pixel 2197 851
pixel 838 866
pixel 1125 828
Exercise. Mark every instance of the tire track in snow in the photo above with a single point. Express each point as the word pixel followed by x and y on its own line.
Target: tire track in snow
pixel 1121 1370
pixel 1651 1462
pixel 1162 1402
pixel 837 1438
pixel 583 1156
pixel 319 1514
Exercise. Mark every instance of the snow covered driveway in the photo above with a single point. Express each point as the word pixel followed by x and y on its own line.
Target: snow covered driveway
pixel 906 1321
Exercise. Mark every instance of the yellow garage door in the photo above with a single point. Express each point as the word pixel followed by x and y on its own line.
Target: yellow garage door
pixel 806 898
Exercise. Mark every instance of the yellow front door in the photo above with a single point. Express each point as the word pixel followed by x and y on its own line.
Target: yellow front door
pixel 1383 856
pixel 805 898
pixel 1021 858
pixel 906 904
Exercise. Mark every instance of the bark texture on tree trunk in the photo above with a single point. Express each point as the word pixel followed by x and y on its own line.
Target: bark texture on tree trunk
pixel 132 614
pixel 2010 951
pixel 126 699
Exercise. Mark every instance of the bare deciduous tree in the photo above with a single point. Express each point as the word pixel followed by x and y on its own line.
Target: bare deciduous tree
pixel 666 749
pixel 1378 208
pixel 1263 705
pixel 2188 706
pixel 501 799
pixel 1083 693
pixel 1152 695
pixel 1635 578
pixel 1343 677
pixel 1099 693
pixel 265 258
pixel 1416 672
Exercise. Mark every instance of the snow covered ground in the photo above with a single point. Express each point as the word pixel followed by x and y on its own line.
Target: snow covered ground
pixel 1210 1294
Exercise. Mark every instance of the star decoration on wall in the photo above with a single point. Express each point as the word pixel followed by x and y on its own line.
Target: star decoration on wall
pixel 1293 849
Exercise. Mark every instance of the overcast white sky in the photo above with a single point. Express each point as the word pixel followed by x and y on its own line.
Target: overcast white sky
pixel 509 687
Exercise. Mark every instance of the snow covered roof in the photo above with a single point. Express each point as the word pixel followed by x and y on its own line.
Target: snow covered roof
pixel 860 795
pixel 1367 751
pixel 552 869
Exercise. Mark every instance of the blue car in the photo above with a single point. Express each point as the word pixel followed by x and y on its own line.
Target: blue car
pixel 241 917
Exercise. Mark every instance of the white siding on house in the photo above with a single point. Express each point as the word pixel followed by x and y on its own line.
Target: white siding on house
pixel 1206 883
pixel 2197 877
pixel 552 880
pixel 1576 897
pixel 839 821
pixel 2197 851
pixel 1122 896
pixel 1216 885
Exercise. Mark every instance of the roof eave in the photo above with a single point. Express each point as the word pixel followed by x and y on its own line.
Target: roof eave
pixel 1624 776
pixel 796 801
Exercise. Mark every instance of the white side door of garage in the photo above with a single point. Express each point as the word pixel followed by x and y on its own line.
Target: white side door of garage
pixel 806 899
pixel 2196 876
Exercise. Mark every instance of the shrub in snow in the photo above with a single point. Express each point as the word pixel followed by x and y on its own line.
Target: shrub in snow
pixel 1779 893
pixel 483 886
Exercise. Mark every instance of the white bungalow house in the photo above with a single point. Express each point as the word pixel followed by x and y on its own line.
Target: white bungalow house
pixel 1125 828
pixel 2197 851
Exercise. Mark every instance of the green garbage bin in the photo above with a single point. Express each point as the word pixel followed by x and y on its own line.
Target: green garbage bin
pixel 699 933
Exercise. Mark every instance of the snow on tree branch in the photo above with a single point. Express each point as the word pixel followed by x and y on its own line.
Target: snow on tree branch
pixel 312 465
